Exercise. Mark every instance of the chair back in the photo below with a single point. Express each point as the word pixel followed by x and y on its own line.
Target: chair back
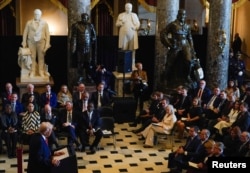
pixel 108 123
pixel 106 111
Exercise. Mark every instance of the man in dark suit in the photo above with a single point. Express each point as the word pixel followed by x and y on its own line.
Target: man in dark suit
pixel 40 159
pixel 48 97
pixel 192 143
pixel 89 124
pixel 68 123
pixel 183 104
pixel 202 92
pixel 100 97
pixel 9 125
pixel 78 96
pixel 243 118
pixel 6 94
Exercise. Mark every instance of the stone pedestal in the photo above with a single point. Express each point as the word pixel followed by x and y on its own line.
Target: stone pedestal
pixel 120 78
pixel 39 86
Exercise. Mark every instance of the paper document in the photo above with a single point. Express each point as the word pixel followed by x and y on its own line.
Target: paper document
pixel 192 164
pixel 106 132
pixel 62 154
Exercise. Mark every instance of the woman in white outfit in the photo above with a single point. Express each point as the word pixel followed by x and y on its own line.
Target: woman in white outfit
pixel 165 126
pixel 229 119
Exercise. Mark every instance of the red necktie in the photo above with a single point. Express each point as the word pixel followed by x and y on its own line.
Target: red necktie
pixel 47 141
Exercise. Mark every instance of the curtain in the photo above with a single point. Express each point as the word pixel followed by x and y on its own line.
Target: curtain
pixel 149 5
pixel 7 19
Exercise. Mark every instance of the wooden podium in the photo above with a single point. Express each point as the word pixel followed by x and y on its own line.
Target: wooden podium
pixel 39 86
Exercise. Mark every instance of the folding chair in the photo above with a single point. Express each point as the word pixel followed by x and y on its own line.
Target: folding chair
pixel 166 138
pixel 106 111
pixel 108 125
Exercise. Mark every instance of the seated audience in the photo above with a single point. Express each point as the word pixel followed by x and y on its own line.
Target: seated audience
pixel 89 124
pixel 192 119
pixel 243 118
pixel 232 142
pixel 68 122
pixel 164 126
pixel 9 125
pixel 157 117
pixel 229 119
pixel 192 143
pixel 148 113
pixel 198 155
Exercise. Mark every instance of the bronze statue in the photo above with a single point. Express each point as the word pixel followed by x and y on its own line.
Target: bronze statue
pixel 82 43
pixel 177 38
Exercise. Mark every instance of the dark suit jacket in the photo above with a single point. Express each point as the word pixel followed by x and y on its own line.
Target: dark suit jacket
pixel 105 99
pixel 18 108
pixel 39 155
pixel 25 98
pixel 191 146
pixel 6 124
pixel 83 121
pixel 243 121
pixel 205 95
pixel 63 117
pixel 77 101
pixel 53 99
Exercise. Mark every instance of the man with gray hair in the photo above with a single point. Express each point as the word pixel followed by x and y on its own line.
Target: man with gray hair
pixel 40 159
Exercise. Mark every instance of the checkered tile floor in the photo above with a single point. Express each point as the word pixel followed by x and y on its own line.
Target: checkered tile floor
pixel 129 156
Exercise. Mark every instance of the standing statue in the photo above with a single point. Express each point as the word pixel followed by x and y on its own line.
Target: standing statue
pixel 177 38
pixel 83 38
pixel 36 37
pixel 128 23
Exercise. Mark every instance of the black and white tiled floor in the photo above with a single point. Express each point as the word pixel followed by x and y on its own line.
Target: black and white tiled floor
pixel 128 157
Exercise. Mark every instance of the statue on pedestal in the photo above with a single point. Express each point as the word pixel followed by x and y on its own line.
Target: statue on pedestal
pixel 128 23
pixel 36 41
pixel 82 42
pixel 181 56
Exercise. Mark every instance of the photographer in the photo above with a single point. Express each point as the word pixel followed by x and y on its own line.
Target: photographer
pixel 139 84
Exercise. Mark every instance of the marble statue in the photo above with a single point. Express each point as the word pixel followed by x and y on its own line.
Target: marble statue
pixel 128 24
pixel 36 38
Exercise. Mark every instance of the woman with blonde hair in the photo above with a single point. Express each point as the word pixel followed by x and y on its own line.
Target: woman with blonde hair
pixel 165 126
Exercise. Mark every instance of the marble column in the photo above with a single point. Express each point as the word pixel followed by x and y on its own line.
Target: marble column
pixel 75 9
pixel 218 46
pixel 166 12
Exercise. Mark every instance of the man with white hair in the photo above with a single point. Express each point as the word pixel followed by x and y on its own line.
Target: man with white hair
pixel 40 159
pixel 36 37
